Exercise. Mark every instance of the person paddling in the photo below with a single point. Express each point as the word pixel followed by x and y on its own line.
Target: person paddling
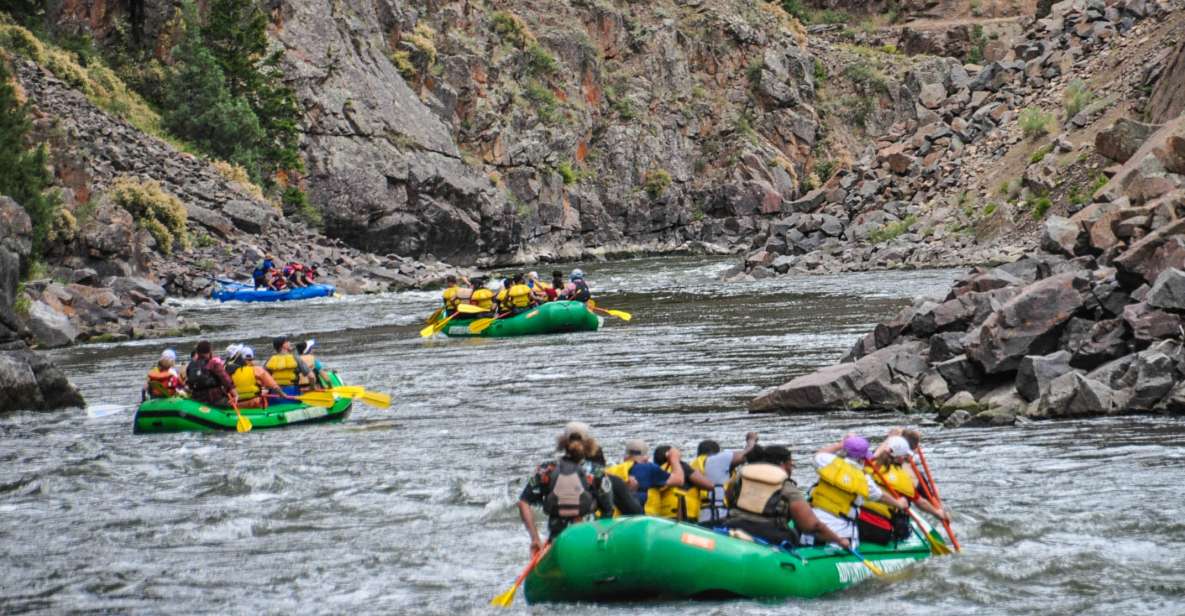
pixel 207 379
pixel 286 366
pixel 766 500
pixel 252 382
pixel 844 486
pixel 570 490
pixel 576 289
pixel 163 379
pixel 264 270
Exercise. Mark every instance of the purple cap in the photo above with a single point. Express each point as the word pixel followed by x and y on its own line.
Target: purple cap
pixel 856 447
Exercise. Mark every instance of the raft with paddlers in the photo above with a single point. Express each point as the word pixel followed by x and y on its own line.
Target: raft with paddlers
pixel 640 558
pixel 236 291
pixel 179 414
pixel 548 318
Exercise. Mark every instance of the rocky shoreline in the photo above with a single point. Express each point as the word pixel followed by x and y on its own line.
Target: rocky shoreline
pixel 1092 324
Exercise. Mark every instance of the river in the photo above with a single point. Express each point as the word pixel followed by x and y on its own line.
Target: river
pixel 411 509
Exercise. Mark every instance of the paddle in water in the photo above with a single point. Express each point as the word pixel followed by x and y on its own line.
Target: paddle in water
pixel 243 424
pixel 506 598
pixel 867 563
pixel 937 545
pixel 621 314
pixel 481 325
pixel 433 329
pixel 376 399
pixel 935 498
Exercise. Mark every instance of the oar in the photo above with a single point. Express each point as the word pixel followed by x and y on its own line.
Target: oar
pixel 506 598
pixel 867 563
pixel 937 545
pixel 481 325
pixel 322 399
pixel 243 424
pixel 376 399
pixel 435 315
pixel 621 314
pixel 935 498
pixel 434 328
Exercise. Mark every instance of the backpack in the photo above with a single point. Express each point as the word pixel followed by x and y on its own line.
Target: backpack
pixel 570 496
pixel 198 376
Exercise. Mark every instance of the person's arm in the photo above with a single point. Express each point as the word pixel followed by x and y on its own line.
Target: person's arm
pixel 603 491
pixel 831 449
pixel 739 456
pixel 528 517
pixel 698 480
pixel 929 508
pixel 676 479
pixel 265 378
pixel 806 521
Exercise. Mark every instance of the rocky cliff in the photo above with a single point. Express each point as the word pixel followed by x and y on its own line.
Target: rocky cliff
pixel 28 381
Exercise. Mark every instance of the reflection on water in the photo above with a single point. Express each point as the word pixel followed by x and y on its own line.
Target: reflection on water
pixel 411 508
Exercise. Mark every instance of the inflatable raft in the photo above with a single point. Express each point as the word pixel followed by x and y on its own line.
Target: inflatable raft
pixel 185 415
pixel 640 558
pixel 236 291
pixel 549 318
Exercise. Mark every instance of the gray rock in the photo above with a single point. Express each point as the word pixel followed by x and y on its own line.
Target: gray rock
pixel 1093 342
pixel 957 418
pixel 1120 141
pixel 30 382
pixel 124 285
pixel 1060 235
pixel 1028 324
pixel 962 400
pixel 1168 292
pixel 882 379
pixel 1155 377
pixel 960 372
pixel 945 346
pixel 934 387
pixel 1073 394
pixel 1148 324
pixel 1036 372
pixel 250 216
pixel 52 329
pixel 932 95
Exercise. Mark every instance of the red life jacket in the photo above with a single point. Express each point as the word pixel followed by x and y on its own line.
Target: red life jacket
pixel 162 384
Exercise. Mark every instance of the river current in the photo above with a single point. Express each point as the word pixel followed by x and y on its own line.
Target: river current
pixel 411 509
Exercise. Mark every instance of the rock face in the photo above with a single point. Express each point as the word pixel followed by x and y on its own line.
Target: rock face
pixel 1092 326
pixel 1168 97
pixel 28 381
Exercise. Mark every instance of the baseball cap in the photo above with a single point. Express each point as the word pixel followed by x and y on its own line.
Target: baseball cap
pixel 636 447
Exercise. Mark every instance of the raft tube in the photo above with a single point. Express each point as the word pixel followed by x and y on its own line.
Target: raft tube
pixel 235 291
pixel 548 318
pixel 645 558
pixel 178 414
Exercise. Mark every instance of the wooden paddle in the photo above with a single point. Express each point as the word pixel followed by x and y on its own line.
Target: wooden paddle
pixel 243 424
pixel 935 499
pixel 435 328
pixel 506 598
pixel 937 545
pixel 868 563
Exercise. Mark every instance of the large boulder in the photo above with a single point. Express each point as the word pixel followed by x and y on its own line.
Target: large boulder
pixel 1029 324
pixel 1149 324
pixel 1156 169
pixel 30 382
pixel 1156 252
pixel 1036 372
pixel 1060 235
pixel 882 379
pixel 1072 394
pixel 1168 292
pixel 51 328
pixel 1168 95
pixel 1123 139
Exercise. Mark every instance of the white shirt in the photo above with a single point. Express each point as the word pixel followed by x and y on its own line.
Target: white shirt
pixel 842 526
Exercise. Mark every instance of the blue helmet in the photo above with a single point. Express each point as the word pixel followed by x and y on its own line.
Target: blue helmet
pixel 577 274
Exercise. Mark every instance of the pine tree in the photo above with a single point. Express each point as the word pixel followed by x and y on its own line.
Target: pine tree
pixel 23 172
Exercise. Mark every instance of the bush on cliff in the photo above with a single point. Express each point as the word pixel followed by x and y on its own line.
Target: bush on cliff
pixel 160 213
pixel 23 172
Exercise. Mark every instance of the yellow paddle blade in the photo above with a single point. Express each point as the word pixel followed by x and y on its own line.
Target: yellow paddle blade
pixel 428 331
pixel 435 315
pixel 376 399
pixel 470 309
pixel 621 314
pixel 480 325
pixel 875 569
pixel 505 599
pixel 937 545
pixel 348 391
pixel 322 399
pixel 243 425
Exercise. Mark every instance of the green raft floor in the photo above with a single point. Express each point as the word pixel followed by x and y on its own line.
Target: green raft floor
pixel 645 558
pixel 178 414
pixel 549 318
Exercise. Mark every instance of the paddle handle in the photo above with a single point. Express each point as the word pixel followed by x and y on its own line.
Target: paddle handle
pixel 926 481
pixel 531 565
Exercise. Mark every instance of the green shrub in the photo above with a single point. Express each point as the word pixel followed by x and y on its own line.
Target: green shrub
pixel 891 230
pixel 867 78
pixel 296 201
pixel 570 175
pixel 820 71
pixel 161 213
pixel 795 9
pixel 511 28
pixel 1034 122
pixel 540 62
pixel 24 175
pixel 655 182
pixel 1041 205
pixel 824 169
pixel 1040 154
pixel 1100 181
pixel 21 304
pixel 1076 97
pixel 544 101
pixel 753 71
pixel 619 103
pixel 1077 197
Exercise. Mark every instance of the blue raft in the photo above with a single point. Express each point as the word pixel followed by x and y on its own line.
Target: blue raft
pixel 237 291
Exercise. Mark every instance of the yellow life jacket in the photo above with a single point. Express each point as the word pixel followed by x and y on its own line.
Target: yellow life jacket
pixel 520 296
pixel 283 369
pixel 244 379
pixel 899 480
pixel 702 495
pixel 450 298
pixel 665 502
pixel 839 485
pixel 620 470
pixel 482 298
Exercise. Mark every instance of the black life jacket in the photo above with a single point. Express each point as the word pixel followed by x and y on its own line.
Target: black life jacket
pixel 198 376
pixel 582 294
pixel 570 495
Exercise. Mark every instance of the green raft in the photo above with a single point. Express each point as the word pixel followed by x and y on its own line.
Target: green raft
pixel 549 318
pixel 184 415
pixel 640 558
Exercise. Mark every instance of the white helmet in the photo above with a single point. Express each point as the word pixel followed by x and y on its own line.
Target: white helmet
pixel 577 274
pixel 899 447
